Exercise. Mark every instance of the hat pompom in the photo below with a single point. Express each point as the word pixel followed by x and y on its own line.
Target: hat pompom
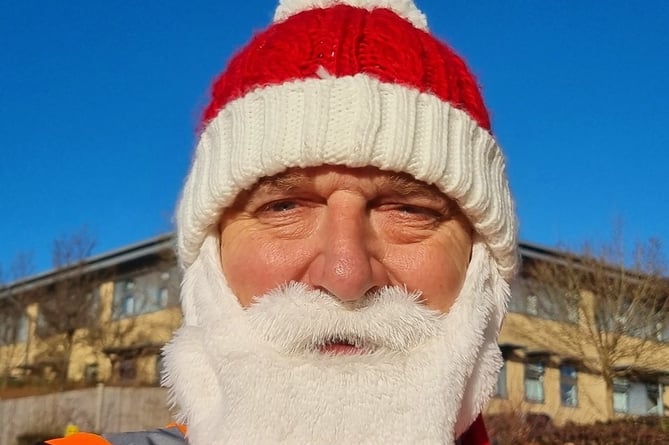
pixel 404 8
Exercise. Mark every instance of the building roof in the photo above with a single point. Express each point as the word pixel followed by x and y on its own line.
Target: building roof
pixel 112 258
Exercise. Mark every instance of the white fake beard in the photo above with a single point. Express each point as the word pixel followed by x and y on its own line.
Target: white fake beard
pixel 256 375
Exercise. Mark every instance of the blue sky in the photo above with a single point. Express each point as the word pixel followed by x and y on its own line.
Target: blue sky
pixel 99 102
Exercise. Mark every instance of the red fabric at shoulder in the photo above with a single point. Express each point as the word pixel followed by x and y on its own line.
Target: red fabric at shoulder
pixel 79 439
pixel 476 434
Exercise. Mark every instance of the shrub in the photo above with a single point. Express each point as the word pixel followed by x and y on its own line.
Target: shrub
pixel 532 429
pixel 35 437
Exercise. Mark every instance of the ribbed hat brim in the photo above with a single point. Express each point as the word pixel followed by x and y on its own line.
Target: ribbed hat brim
pixel 353 121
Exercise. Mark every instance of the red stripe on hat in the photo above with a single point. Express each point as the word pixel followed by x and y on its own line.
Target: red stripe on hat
pixel 345 41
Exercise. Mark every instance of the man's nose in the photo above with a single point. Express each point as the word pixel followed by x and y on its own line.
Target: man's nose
pixel 347 265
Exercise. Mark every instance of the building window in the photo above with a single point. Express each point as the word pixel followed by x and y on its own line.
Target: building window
pixel 525 299
pixel 128 306
pixel 662 333
pixel 127 370
pixel 528 296
pixel 22 333
pixel 637 398
pixel 160 365
pixel 644 399
pixel 163 297
pixel 620 395
pixel 13 327
pixel 568 385
pixel 146 293
pixel 91 373
pixel 500 387
pixel 663 330
pixel 534 382
pixel 653 400
pixel 532 304
pixel 572 308
pixel 125 298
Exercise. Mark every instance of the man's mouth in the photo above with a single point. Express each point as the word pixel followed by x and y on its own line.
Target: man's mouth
pixel 342 347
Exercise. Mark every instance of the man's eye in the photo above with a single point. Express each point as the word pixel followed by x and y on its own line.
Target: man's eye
pixel 411 209
pixel 419 211
pixel 279 206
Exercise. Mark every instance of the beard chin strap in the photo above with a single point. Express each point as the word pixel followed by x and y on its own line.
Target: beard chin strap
pixel 229 386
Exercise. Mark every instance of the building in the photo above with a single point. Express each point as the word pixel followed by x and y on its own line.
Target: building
pixel 575 323
pixel 100 320
pixel 105 320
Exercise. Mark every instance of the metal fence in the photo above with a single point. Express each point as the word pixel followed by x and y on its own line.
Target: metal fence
pixel 101 409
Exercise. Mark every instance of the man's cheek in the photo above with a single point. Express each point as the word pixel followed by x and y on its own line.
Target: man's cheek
pixel 261 266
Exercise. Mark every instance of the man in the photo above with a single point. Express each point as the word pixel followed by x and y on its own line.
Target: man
pixel 347 235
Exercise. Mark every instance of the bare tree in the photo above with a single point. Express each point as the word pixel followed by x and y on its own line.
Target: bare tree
pixel 94 310
pixel 14 319
pixel 134 330
pixel 610 307
pixel 69 305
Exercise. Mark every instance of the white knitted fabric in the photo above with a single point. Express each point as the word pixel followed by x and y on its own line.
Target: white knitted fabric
pixel 404 8
pixel 354 121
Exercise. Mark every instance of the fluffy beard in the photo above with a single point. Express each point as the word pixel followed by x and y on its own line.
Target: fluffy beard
pixel 257 376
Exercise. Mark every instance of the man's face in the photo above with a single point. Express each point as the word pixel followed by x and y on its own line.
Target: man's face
pixel 347 231
pixel 354 287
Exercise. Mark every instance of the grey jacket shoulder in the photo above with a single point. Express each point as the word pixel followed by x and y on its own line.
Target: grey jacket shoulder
pixel 162 436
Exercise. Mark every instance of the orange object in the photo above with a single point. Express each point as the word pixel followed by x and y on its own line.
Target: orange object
pixel 79 439
pixel 181 427
pixel 93 439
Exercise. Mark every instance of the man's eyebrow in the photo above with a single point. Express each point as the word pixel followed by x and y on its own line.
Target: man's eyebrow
pixel 407 186
pixel 285 182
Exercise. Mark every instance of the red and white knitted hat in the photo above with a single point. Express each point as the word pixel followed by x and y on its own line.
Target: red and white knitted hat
pixel 354 83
